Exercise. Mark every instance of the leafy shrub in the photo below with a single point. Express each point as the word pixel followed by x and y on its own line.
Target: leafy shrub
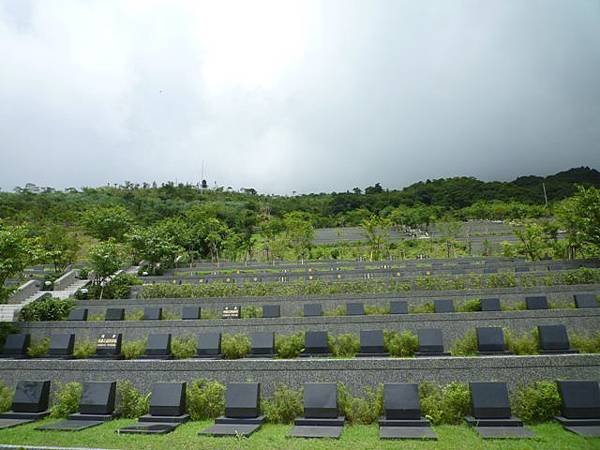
pixel 421 309
pixel 5 397
pixel 96 317
pixel 184 347
pixel 169 315
pixel 500 280
pixel 537 402
pixel 289 346
pixel 84 273
pixel 284 406
pixel 515 306
pixel 524 344
pixel 583 275
pixel 84 349
pixel 251 312
pixel 118 287
pixel 466 346
pixel 66 400
pixel 235 346
pixel 345 345
pixel 205 399
pixel 136 314
pixel 586 344
pixel 133 349
pixel 376 310
pixel 339 310
pixel 40 348
pixel 364 410
pixel 404 344
pixel 470 306
pixel 131 403
pixel 46 309
pixel 447 405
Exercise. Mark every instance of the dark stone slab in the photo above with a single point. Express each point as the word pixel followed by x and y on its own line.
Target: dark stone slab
pixel 61 345
pixel 242 400
pixel 401 401
pixel 431 341
pixel 115 314
pixel 70 425
pixel 536 302
pixel 407 433
pixel 149 428
pixel 489 400
pixel 262 343
pixel 490 304
pixel 158 346
pixel 320 421
pixel 316 342
pixel 589 431
pixel 593 422
pixel 313 310
pixel 16 345
pixel 191 312
pixel 271 311
pixel 579 399
pixel 371 341
pixel 490 340
pixel 109 346
pixel 490 270
pixel 182 418
pixel 78 314
pixel 240 420
pixel 398 307
pixel 98 398
pixel 31 397
pixel 168 399
pixel 316 432
pixel 152 313
pixel 521 269
pixel 443 306
pixel 504 432
pixel 243 430
pixel 209 345
pixel 355 309
pixel 585 301
pixel 494 422
pixel 320 400
pixel 553 338
pixel 10 423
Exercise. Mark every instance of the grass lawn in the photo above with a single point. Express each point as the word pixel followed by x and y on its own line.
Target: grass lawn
pixel 549 436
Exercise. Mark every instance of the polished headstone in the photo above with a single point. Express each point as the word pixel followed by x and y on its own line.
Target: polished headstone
pixel 262 343
pixel 580 399
pixel 115 314
pixel 98 398
pixel 536 302
pixel 489 400
pixel 209 344
pixel 355 309
pixel 191 312
pixel 320 400
pixel 553 338
pixel 371 341
pixel 158 345
pixel 152 313
pixel 16 345
pixel 401 401
pixel 271 311
pixel 242 400
pixel 490 339
pixel 80 314
pixel 490 304
pixel 585 301
pixel 109 345
pixel 430 341
pixel 443 306
pixel 31 396
pixel 61 345
pixel 313 310
pixel 168 399
pixel 398 307
pixel 316 342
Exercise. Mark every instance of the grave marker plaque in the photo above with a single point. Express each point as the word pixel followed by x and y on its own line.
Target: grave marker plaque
pixel 242 399
pixel 431 342
pixel 554 339
pixel 31 397
pixel 16 345
pixel 579 399
pixel 316 342
pixel 398 307
pixel 152 313
pixel 158 346
pixel 320 400
pixel 61 346
pixel 355 309
pixel 536 302
pixel 489 400
pixel 115 314
pixel 372 343
pixel 443 306
pixel 209 345
pixel 109 346
pixel 490 304
pixel 232 312
pixel 78 314
pixel 401 401
pixel 191 313
pixel 98 398
pixel 263 343
pixel 490 340
pixel 313 310
pixel 585 301
pixel 168 399
pixel 271 311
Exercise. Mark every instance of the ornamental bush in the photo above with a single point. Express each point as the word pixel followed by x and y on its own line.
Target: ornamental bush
pixel 235 346
pixel 131 403
pixel 66 399
pixel 284 406
pixel 403 344
pixel 205 399
pixel 537 402
pixel 46 309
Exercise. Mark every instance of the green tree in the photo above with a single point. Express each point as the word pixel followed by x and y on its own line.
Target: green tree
pixel 154 245
pixel 107 222
pixel 580 217
pixel 377 233
pixel 299 233
pixel 535 241
pixel 105 259
pixel 59 247
pixel 17 251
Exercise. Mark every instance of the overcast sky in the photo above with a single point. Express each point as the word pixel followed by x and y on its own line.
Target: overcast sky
pixel 304 96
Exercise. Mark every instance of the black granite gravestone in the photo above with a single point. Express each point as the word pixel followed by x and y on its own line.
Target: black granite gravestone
pixel 152 313
pixel 167 410
pixel 355 309
pixel 521 269
pixel 191 312
pixel 398 307
pixel 490 304
pixel 492 417
pixel 372 343
pixel 313 310
pixel 78 314
pixel 270 311
pixel 490 341
pixel 321 418
pixel 402 411
pixel 209 345
pixel 30 403
pixel 554 339
pixel 16 346
pixel 232 312
pixel 490 270
pixel 431 342
pixel 108 346
pixel 115 314
pixel 158 347
pixel 262 344
pixel 61 346
pixel 585 301
pixel 537 302
pixel 316 343
pixel 443 306
pixel 241 412
pixel 580 407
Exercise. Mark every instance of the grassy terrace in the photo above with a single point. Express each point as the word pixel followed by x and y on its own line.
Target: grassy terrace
pixel 548 435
